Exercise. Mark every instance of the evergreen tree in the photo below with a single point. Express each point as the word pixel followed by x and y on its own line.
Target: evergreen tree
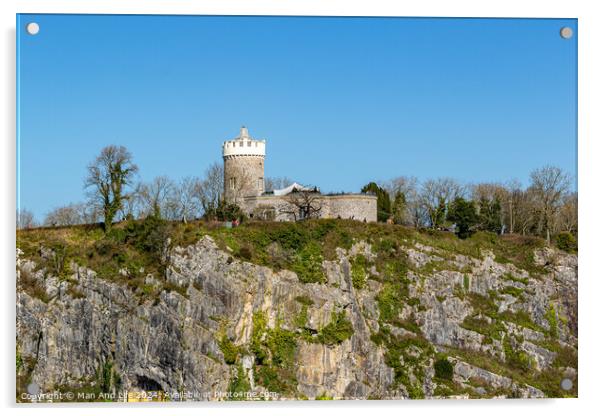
pixel 383 202
pixel 439 215
pixel 464 214
pixel 399 207
pixel 490 215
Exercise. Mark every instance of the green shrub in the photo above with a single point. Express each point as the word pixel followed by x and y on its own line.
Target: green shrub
pixel 308 264
pixel 390 301
pixel 444 369
pixel 552 321
pixel 338 330
pixel 566 242
pixel 358 271
pixel 245 253
pixel 229 350
pixel 304 300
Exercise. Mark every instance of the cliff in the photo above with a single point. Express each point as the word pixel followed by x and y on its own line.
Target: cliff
pixel 318 310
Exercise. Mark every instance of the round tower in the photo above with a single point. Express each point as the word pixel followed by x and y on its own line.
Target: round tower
pixel 244 159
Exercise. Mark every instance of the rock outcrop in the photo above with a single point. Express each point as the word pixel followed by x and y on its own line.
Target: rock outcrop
pixel 203 342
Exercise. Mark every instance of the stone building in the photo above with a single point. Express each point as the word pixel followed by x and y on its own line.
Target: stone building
pixel 244 185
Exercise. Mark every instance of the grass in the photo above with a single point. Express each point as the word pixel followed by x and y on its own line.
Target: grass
pixel 301 247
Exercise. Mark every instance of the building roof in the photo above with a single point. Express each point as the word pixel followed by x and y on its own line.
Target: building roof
pixel 292 188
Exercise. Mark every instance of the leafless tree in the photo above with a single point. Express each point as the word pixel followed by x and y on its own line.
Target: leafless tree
pixel 210 188
pixel 187 201
pixel 514 195
pixel 567 214
pixel 550 185
pixel 435 195
pixel 156 197
pixel 25 219
pixel 525 211
pixel 109 176
pixel 277 183
pixel 302 204
pixel 66 215
pixel 133 205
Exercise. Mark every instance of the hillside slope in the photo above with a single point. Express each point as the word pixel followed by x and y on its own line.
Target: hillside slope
pixel 323 309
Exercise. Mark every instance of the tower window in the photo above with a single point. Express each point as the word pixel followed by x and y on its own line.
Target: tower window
pixel 249 144
pixel 241 144
pixel 232 183
pixel 260 184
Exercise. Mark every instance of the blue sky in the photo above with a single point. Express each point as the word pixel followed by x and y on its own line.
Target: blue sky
pixel 340 101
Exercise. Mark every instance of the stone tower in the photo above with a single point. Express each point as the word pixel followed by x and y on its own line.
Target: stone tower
pixel 244 159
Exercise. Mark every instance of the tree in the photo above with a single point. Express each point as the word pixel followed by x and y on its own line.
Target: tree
pixel 493 205
pixel 302 204
pixel 383 201
pixel 410 213
pixel 464 214
pixel 550 185
pixel 186 199
pixel 435 195
pixel 399 208
pixel 210 189
pixel 67 215
pixel 567 214
pixel 25 219
pixel 109 175
pixel 490 214
pixel 156 197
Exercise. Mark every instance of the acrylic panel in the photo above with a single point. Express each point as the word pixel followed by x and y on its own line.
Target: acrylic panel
pixel 218 208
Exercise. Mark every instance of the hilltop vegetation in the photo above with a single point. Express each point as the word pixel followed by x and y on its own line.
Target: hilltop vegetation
pixel 132 249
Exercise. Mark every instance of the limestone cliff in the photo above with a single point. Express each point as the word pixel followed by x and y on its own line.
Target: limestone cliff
pixel 436 324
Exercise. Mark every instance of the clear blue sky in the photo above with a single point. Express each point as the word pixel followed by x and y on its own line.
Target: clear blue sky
pixel 341 101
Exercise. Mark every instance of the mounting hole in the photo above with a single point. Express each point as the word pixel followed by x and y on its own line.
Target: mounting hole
pixel 566 384
pixel 32 28
pixel 566 32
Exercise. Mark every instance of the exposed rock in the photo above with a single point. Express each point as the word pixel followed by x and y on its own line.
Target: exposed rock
pixel 172 343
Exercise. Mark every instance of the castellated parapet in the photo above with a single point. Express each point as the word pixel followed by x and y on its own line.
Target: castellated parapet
pixel 244 159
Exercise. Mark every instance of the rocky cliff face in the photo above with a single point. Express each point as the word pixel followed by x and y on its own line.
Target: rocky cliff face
pixel 449 326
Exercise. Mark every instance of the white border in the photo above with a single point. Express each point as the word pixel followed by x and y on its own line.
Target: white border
pixel 590 202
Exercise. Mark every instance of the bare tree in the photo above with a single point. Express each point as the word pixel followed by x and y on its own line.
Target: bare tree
pixel 109 175
pixel 25 219
pixel 435 195
pixel 277 183
pixel 550 185
pixel 66 215
pixel 133 205
pixel 302 204
pixel 210 189
pixel 567 214
pixel 186 197
pixel 514 193
pixel 156 197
